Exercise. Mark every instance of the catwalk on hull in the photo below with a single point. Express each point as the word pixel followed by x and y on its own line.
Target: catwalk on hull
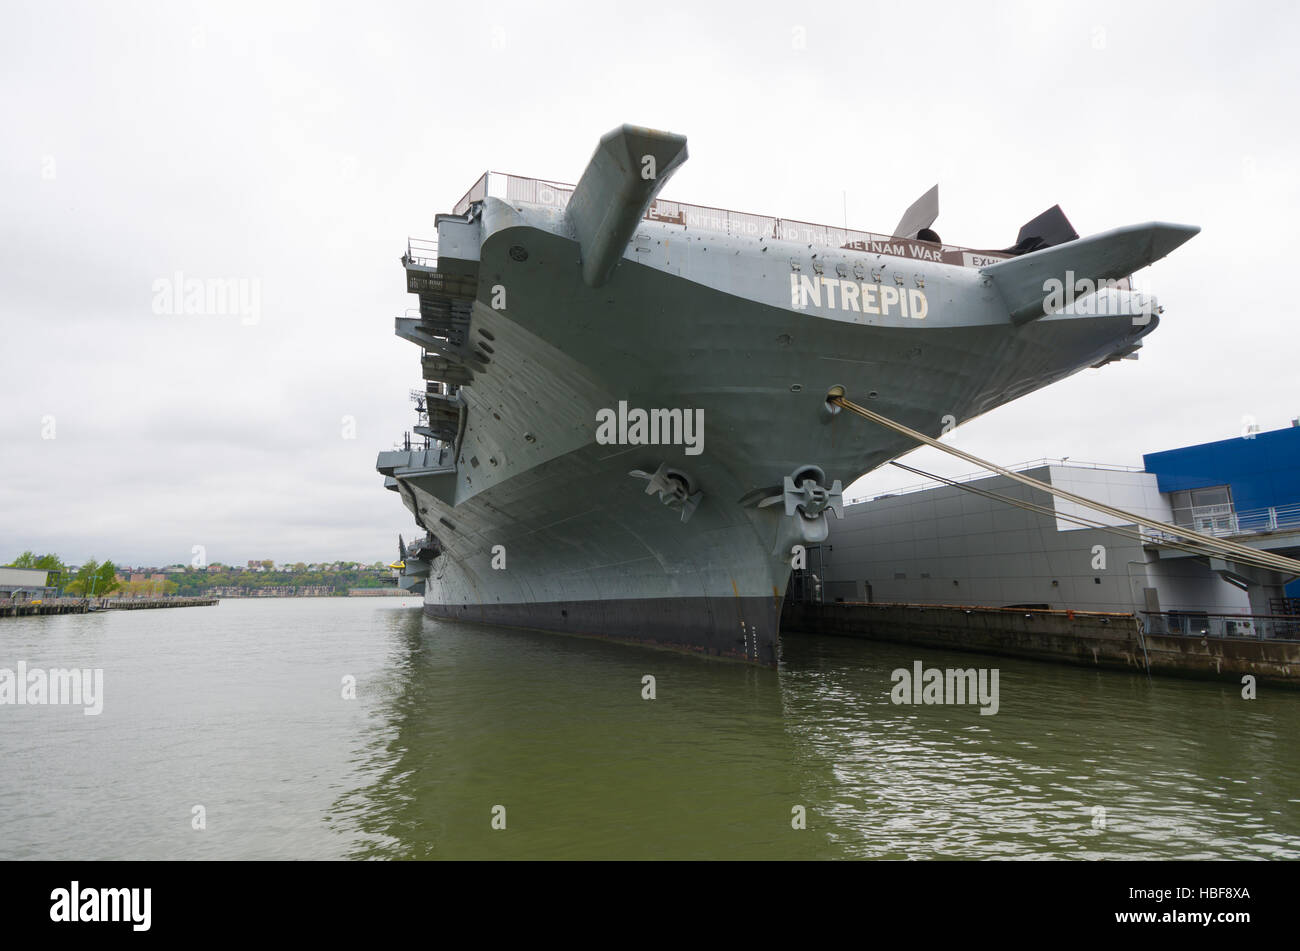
pixel 624 430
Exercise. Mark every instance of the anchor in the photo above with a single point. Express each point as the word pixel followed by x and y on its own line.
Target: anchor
pixel 674 489
pixel 807 501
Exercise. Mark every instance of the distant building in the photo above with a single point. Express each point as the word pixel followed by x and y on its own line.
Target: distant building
pixel 946 544
pixel 274 591
pixel 25 584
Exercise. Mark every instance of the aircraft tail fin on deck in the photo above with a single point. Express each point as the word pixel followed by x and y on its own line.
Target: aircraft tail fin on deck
pixel 625 173
pixel 1025 281
pixel 920 215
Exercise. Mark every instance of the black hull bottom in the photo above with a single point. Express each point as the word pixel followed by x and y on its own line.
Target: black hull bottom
pixel 739 628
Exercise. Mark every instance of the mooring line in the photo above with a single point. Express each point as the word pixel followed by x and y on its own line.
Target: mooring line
pixel 1209 544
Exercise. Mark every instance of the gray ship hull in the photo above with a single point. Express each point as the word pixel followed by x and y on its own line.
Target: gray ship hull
pixel 539 524
pixel 736 628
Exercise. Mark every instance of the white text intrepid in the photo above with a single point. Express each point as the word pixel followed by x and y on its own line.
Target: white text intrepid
pixel 859 297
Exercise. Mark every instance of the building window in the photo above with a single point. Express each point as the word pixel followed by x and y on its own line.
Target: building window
pixel 1205 510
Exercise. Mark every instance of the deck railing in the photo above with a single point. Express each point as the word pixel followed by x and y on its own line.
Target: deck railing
pixel 422 251
pixel 517 189
pixel 1208 624
pixel 1209 521
pixel 1270 519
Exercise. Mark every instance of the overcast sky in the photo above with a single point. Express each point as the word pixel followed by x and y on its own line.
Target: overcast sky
pixel 296 145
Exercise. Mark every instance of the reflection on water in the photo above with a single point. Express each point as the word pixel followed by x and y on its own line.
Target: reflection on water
pixel 242 709
pixel 1076 763
pixel 556 730
pixel 1181 768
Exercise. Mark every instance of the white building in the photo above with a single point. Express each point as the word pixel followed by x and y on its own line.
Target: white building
pixel 957 545
pixel 25 584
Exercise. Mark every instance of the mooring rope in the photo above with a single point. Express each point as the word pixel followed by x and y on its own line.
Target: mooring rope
pixel 1209 544
pixel 1083 521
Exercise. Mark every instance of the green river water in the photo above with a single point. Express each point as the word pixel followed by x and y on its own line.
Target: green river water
pixel 241 709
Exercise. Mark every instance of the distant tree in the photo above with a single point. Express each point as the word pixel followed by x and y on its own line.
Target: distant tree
pixel 268 564
pixel 143 588
pixel 84 578
pixel 94 579
pixel 52 564
pixel 106 579
pixel 29 560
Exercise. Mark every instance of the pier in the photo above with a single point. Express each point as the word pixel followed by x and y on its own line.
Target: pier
pixel 137 604
pixel 43 606
pixel 21 608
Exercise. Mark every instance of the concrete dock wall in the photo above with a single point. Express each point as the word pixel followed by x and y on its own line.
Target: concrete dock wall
pixel 1087 638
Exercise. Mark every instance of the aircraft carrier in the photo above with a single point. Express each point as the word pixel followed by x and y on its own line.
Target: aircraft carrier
pixel 624 429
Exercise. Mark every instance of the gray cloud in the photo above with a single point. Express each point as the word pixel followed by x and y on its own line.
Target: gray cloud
pixel 297 145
